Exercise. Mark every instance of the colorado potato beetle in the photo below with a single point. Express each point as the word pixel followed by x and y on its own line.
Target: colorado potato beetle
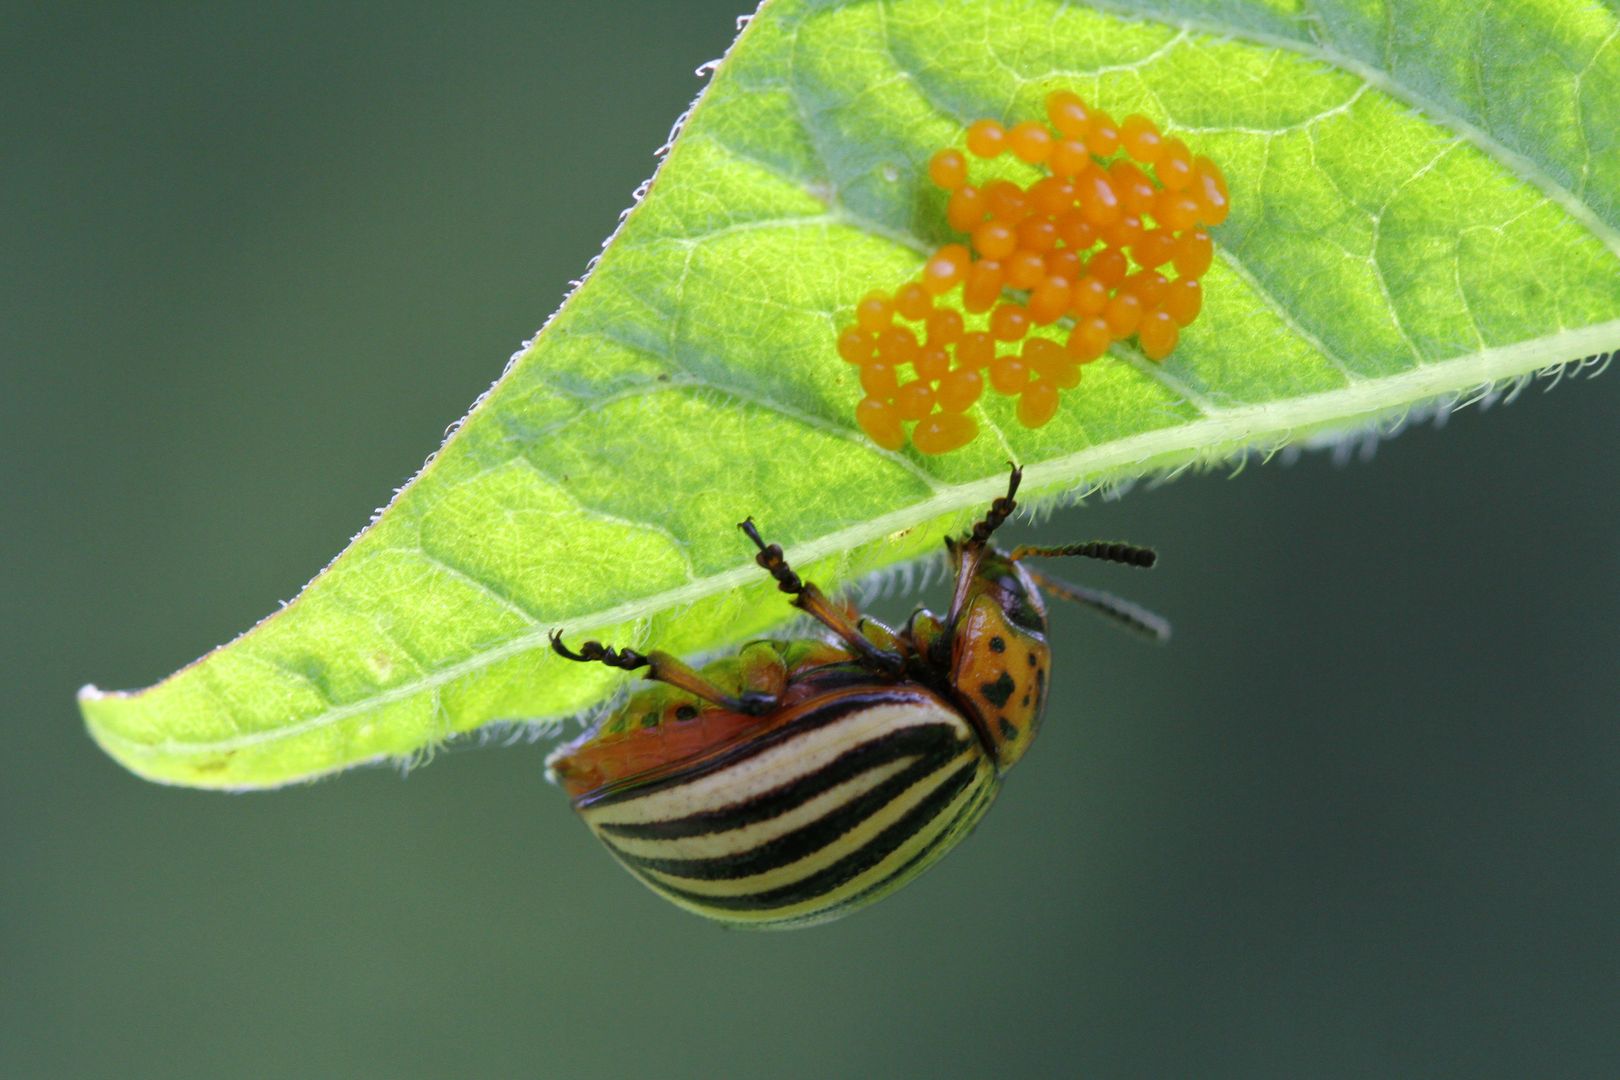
pixel 799 780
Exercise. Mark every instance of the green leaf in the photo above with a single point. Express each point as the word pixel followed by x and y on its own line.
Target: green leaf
pixel 1426 203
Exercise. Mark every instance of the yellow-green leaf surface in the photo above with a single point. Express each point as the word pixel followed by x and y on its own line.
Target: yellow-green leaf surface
pixel 1426 201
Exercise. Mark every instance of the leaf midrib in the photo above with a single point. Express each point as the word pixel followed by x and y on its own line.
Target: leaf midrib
pixel 1219 428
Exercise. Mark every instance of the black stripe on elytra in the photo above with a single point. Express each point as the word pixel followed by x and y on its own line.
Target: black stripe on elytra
pixel 815 717
pixel 942 841
pixel 850 866
pixel 907 742
pixel 799 843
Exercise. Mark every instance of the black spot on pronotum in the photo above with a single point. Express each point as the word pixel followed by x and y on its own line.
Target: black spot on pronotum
pixel 997 645
pixel 1009 730
pixel 997 693
pixel 686 712
pixel 1031 658
pixel 1025 702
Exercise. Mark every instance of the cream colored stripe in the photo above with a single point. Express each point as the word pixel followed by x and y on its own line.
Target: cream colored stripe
pixel 777 766
pixel 816 861
pixel 809 909
pixel 713 845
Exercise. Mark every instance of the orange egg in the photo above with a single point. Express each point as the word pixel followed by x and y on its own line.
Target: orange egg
pixel 1183 300
pixel 944 432
pixel 1037 404
pixel 1050 196
pixel 1193 254
pixel 983 286
pixel 1008 374
pixel 1025 269
pixel 1099 202
pixel 946 269
pixel 944 326
pixel 1089 295
pixel 1063 263
pixel 881 423
pixel 1136 189
pixel 1030 141
pixel 1049 300
pixel 1209 188
pixel 856 345
pixel 948 169
pixel 897 345
pixel 1175 210
pixel 1103 137
pixel 1155 248
pixel 1037 234
pixel 874 312
pixel 914 400
pixel 932 362
pixel 1123 314
pixel 1147 285
pixel 1009 322
pixel 1068 113
pixel 1124 232
pixel 879 381
pixel 1175 165
pixel 965 208
pixel 912 301
pixel 1157 335
pixel 995 239
pixel 976 349
pixel 1042 354
pixel 1090 339
pixel 1049 360
pixel 1075 231
pixel 1108 266
pixel 1141 138
pixel 986 138
pixel 960 389
pixel 1069 156
pixel 1006 200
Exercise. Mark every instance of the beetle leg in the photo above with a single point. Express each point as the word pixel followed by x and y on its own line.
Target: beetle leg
pixel 664 668
pixel 1106 550
pixel 968 552
pixel 1138 619
pixel 812 601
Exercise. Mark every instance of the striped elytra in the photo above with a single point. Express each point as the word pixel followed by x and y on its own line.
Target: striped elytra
pixel 796 781
pixel 831 804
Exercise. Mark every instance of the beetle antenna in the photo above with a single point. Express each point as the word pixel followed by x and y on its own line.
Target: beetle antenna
pixel 1131 616
pixel 1105 550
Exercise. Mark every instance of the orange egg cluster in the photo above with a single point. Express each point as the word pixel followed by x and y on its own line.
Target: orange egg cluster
pixel 1088 248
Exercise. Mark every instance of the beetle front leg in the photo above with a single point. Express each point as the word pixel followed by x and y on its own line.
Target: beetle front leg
pixel 968 552
pixel 664 668
pixel 814 602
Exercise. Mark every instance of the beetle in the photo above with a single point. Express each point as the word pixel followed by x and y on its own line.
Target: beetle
pixel 799 780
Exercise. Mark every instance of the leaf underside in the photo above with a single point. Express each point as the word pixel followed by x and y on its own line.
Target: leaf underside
pixel 1410 225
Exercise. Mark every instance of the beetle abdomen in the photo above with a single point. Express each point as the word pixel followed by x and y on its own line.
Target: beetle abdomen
pixel 847 797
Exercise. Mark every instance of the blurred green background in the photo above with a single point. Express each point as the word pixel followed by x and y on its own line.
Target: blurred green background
pixel 1361 818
